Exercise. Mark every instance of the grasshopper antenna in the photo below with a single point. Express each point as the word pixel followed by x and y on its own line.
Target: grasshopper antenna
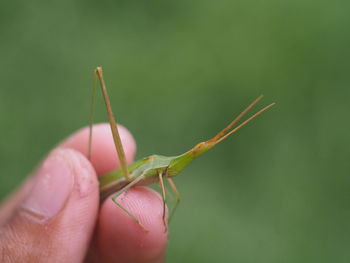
pixel 113 124
pixel 244 122
pixel 237 119
pixel 202 147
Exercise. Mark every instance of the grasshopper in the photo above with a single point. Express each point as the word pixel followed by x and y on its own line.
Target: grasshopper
pixel 155 168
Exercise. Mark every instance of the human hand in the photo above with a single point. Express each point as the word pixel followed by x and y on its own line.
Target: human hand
pixel 55 216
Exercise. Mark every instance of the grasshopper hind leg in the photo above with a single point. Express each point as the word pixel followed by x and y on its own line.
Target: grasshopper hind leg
pixel 113 123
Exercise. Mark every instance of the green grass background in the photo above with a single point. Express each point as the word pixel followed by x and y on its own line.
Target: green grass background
pixel 177 72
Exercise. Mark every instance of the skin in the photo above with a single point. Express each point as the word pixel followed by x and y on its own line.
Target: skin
pixel 82 229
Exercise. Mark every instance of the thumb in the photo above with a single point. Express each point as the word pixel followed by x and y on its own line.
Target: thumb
pixel 54 223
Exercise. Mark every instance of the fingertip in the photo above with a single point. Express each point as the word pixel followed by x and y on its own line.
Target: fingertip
pixel 119 237
pixel 60 209
pixel 104 155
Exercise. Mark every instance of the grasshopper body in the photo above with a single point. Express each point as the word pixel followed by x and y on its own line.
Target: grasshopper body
pixel 155 168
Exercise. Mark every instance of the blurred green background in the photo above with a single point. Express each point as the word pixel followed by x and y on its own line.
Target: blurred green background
pixel 177 72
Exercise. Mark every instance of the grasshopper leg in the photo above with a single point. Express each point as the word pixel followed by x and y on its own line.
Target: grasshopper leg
pixel 161 182
pixel 113 123
pixel 125 188
pixel 177 196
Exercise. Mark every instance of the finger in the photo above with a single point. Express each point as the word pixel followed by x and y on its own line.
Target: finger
pixel 117 237
pixel 120 239
pixel 55 221
pixel 7 208
pixel 104 155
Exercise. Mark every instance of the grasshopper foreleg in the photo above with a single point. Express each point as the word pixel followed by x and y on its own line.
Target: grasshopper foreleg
pixel 177 196
pixel 161 182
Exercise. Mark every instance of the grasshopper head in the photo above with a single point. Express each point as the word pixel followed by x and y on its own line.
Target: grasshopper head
pixel 178 163
pixel 202 147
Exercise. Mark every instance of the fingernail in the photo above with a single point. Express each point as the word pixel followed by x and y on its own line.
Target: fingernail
pixel 53 185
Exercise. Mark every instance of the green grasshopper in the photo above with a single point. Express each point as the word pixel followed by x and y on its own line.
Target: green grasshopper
pixel 155 168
